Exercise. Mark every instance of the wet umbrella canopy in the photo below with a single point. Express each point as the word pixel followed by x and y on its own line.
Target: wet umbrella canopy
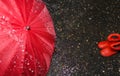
pixel 26 38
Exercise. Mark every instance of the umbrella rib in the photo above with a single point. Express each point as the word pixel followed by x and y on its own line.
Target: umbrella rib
pixel 20 9
pixel 39 52
pixel 31 45
pixel 11 56
pixel 43 58
pixel 3 45
pixel 41 27
pixel 38 33
pixel 37 48
pixel 43 41
pixel 35 17
pixel 12 15
pixel 42 18
pixel 31 9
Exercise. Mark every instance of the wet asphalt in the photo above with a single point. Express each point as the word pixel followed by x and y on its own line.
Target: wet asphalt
pixel 80 25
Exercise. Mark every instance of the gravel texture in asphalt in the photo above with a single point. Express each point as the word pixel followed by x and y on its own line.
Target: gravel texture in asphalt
pixel 80 25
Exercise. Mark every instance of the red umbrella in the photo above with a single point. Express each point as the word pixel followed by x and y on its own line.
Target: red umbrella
pixel 26 38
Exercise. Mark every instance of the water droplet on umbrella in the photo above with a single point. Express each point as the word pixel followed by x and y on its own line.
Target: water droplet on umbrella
pixel 14 66
pixel 31 70
pixel 23 50
pixel 28 63
pixel 14 62
pixel 3 17
pixel 39 66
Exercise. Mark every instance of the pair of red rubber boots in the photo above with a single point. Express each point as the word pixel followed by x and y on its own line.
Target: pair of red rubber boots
pixel 111 46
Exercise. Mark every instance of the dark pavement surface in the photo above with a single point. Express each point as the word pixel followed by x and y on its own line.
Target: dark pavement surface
pixel 80 25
